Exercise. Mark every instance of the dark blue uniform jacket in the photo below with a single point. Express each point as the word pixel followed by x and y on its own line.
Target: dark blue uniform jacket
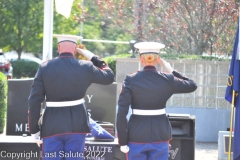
pixel 148 90
pixel 65 79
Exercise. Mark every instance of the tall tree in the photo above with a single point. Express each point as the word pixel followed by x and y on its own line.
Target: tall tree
pixel 200 26
pixel 21 25
pixel 183 25
pixel 89 15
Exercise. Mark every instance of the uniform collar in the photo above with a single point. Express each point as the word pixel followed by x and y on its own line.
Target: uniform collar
pixel 149 68
pixel 65 54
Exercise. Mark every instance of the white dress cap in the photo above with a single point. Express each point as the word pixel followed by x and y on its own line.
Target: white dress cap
pixel 67 37
pixel 149 47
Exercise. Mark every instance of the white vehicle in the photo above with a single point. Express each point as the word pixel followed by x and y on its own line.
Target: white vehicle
pixel 24 58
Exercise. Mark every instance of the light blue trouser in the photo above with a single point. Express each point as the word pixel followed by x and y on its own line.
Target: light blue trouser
pixel 148 151
pixel 64 147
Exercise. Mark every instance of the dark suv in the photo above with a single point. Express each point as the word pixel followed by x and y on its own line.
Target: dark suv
pixel 5 65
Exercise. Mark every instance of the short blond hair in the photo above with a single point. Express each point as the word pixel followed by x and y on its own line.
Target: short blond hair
pixel 78 55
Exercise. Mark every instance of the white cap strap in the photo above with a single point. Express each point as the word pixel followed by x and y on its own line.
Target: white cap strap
pixel 65 103
pixel 149 112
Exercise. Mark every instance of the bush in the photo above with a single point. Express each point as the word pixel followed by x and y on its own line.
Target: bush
pixel 112 62
pixel 23 69
pixel 3 100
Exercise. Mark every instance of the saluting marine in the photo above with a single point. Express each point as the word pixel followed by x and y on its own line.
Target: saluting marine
pixel 63 82
pixel 147 134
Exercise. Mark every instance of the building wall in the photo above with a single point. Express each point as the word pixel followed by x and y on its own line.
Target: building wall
pixel 207 103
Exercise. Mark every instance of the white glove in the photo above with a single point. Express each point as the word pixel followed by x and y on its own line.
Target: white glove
pixel 124 149
pixel 85 53
pixel 36 138
pixel 167 67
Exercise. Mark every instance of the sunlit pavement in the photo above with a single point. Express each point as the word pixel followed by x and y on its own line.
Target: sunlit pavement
pixel 206 151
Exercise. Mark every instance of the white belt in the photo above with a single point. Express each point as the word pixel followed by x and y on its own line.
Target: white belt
pixel 148 112
pixel 65 103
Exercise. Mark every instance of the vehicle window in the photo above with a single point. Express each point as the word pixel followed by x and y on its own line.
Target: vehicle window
pixel 2 58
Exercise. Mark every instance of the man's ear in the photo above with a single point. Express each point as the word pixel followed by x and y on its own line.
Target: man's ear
pixel 75 50
pixel 59 48
pixel 141 59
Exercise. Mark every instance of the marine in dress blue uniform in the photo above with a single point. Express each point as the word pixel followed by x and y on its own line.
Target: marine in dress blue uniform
pixel 147 133
pixel 63 82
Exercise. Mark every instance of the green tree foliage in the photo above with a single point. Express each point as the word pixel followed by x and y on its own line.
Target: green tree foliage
pixel 63 25
pixel 3 100
pixel 184 26
pixel 21 24
pixel 89 15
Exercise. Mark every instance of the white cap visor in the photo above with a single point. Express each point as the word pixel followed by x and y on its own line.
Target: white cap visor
pixel 149 47
pixel 63 38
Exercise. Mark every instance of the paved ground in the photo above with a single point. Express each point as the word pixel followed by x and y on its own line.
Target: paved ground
pixel 206 151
